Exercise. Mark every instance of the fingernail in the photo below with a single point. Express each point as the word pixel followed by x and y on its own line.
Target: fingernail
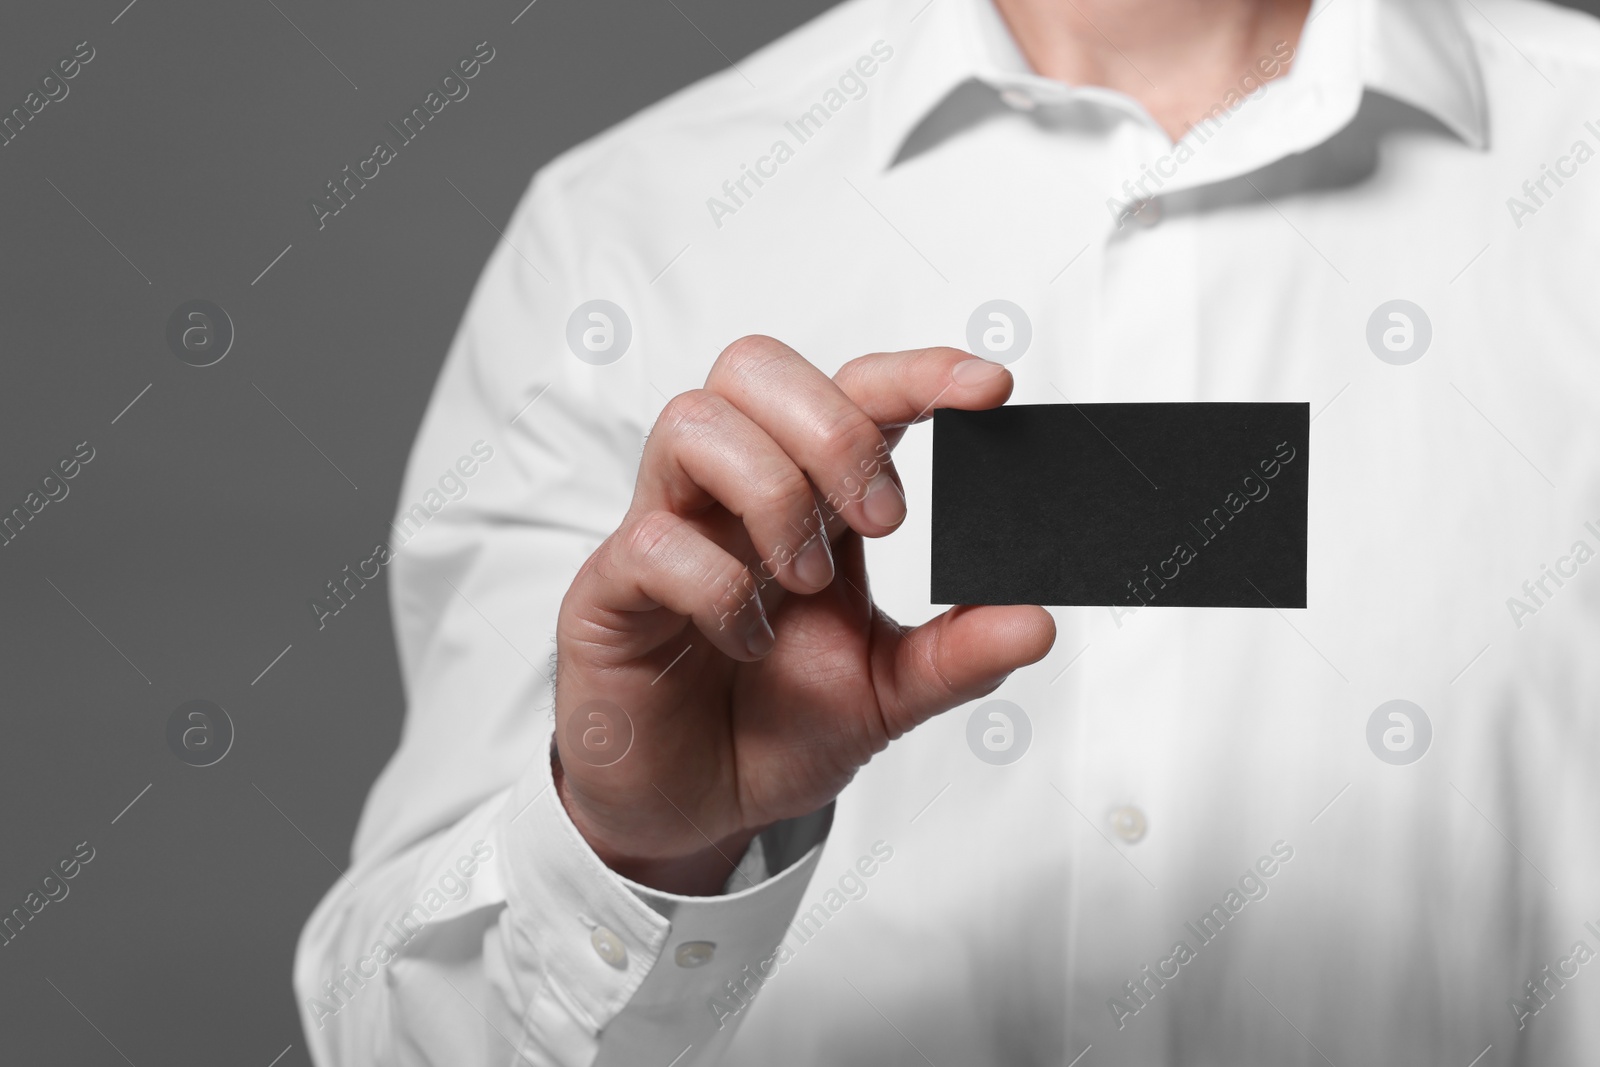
pixel 975 371
pixel 814 565
pixel 884 505
pixel 760 640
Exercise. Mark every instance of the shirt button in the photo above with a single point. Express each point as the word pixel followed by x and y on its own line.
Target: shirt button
pixel 695 953
pixel 1146 212
pixel 608 946
pixel 1019 100
pixel 1129 823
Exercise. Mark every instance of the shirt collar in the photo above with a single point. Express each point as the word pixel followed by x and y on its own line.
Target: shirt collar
pixel 1417 51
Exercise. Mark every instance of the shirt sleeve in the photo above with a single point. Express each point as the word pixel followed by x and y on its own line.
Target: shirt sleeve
pixel 475 924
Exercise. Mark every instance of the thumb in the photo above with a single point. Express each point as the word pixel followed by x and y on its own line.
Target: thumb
pixel 953 658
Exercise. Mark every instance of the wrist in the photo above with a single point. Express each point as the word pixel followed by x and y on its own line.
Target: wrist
pixel 694 870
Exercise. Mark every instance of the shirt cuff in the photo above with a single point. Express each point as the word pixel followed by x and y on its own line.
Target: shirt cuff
pixel 592 951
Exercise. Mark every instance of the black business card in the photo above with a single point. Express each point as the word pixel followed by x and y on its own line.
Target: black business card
pixel 1163 505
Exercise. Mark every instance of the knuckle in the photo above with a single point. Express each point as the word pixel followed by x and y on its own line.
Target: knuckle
pixel 786 491
pixel 690 414
pixel 850 433
pixel 649 536
pixel 857 369
pixel 748 355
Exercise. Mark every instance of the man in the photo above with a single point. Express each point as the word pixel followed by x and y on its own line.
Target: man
pixel 632 818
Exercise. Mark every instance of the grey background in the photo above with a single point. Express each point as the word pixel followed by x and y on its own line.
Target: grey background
pixel 184 555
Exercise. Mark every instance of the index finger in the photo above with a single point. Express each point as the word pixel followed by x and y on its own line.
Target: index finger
pixel 898 389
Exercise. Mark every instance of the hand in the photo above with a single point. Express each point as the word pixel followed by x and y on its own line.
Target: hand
pixel 729 616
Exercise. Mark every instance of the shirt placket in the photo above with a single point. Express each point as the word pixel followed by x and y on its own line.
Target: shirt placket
pixel 1138 289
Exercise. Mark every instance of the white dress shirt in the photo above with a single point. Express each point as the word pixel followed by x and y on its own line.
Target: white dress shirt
pixel 866 184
